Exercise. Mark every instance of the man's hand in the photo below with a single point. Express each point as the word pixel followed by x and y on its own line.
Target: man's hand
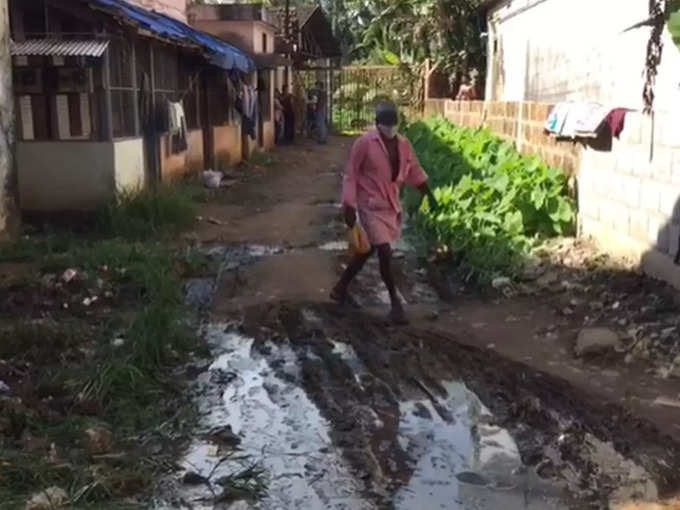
pixel 434 205
pixel 427 192
pixel 350 216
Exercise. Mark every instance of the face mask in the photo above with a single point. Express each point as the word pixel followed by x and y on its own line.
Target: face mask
pixel 387 131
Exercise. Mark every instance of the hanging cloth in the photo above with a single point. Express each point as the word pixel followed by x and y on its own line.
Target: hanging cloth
pixel 177 127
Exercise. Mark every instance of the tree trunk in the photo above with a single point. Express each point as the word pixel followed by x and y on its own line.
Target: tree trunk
pixel 7 121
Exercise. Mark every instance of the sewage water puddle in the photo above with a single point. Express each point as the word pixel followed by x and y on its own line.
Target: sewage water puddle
pixel 461 461
pixel 456 457
pixel 280 429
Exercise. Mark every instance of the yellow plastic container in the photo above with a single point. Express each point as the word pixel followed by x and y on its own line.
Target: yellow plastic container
pixel 358 241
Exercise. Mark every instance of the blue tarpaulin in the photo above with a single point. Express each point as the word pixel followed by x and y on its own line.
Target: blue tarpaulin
pixel 219 53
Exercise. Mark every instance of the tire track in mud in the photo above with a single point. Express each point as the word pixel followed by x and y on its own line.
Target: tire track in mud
pixel 597 453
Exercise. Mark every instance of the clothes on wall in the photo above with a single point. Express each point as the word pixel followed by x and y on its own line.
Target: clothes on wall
pixel 247 107
pixel 574 119
pixel 177 127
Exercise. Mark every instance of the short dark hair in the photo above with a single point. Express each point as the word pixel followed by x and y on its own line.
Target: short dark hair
pixel 387 113
pixel 386 106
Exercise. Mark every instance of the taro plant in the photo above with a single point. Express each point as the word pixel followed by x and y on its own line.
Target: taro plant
pixel 494 203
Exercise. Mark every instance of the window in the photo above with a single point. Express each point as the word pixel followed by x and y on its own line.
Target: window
pixel 218 97
pixel 264 42
pixel 55 103
pixel 123 92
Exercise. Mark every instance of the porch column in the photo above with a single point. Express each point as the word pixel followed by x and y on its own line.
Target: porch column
pixel 106 104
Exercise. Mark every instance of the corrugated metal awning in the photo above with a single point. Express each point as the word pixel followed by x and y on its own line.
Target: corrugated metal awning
pixel 217 51
pixel 59 48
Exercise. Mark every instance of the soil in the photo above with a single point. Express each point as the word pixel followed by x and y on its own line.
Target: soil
pixel 395 402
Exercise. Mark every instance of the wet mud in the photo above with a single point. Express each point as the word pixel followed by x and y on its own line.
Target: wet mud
pixel 343 412
pixel 318 408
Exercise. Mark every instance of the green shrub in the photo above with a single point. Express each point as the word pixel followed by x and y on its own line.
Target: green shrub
pixel 495 203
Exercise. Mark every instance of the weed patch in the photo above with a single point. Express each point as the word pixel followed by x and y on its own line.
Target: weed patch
pixel 161 211
pixel 102 329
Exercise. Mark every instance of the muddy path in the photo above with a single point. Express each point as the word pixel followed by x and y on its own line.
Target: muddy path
pixel 465 409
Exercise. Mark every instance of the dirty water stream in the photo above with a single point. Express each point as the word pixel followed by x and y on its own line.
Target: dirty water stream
pixel 325 422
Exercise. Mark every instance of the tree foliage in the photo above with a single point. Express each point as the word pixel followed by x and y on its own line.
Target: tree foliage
pixel 448 32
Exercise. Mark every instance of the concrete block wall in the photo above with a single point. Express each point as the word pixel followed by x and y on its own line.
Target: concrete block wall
pixel 520 123
pixel 628 197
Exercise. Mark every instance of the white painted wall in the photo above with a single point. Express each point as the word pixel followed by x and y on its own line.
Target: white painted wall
pixel 64 176
pixel 77 176
pixel 555 50
pixel 258 30
pixel 175 8
pixel 128 157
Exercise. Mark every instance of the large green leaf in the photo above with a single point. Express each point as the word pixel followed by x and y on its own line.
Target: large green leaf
pixel 494 201
pixel 674 24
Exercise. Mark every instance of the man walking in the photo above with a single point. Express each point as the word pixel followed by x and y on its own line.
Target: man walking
pixel 380 163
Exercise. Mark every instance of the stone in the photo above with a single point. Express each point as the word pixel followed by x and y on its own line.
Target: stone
pixel 547 279
pixel 472 478
pixel 225 436
pixel 193 478
pixel 596 341
pixel 49 499
pixel 500 282
pixel 69 275
pixel 98 441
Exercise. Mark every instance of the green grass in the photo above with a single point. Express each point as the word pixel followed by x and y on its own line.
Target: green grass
pixel 83 378
pixel 261 159
pixel 162 211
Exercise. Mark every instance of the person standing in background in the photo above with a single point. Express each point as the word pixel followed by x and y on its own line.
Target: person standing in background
pixel 288 115
pixel 468 89
pixel 279 122
pixel 310 111
pixel 320 113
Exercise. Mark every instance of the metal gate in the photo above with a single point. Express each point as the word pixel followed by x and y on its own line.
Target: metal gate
pixel 355 91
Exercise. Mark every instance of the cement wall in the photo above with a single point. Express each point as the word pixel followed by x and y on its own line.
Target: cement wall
pixel 7 125
pixel 180 164
pixel 521 124
pixel 129 164
pixel 238 33
pixel 546 51
pixel 65 176
pixel 175 8
pixel 269 135
pixel 195 162
pixel 228 146
pixel 77 176
pixel 629 197
pixel 556 50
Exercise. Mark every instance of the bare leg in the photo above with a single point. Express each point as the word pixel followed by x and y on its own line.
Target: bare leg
pixel 397 314
pixel 340 293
